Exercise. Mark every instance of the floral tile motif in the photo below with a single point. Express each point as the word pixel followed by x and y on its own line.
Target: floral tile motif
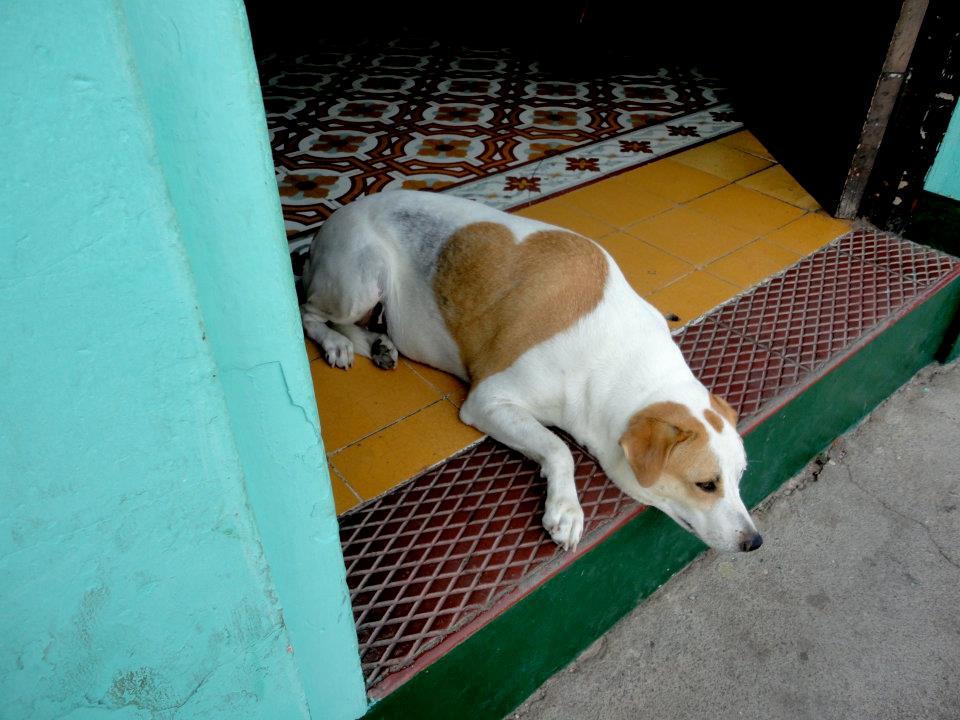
pixel 561 171
pixel 488 124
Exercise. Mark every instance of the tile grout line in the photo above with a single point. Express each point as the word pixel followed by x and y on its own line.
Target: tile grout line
pixel 418 473
pixel 350 487
pixel 443 395
pixel 809 213
pixel 675 203
pixel 747 291
pixel 381 429
pixel 685 205
pixel 719 257
pixel 425 470
pixel 745 150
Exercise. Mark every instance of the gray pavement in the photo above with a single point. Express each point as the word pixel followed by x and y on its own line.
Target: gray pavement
pixel 850 610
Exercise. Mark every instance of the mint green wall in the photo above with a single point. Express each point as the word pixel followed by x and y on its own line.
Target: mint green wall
pixel 168 545
pixel 944 176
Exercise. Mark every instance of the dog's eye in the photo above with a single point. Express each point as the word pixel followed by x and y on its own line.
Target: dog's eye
pixel 708 486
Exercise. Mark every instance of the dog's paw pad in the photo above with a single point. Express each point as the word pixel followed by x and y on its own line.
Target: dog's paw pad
pixel 338 352
pixel 384 354
pixel 563 520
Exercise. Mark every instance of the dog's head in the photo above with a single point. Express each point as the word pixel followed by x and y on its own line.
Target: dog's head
pixel 689 465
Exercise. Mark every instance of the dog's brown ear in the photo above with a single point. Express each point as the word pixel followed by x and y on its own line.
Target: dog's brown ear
pixel 648 442
pixel 724 408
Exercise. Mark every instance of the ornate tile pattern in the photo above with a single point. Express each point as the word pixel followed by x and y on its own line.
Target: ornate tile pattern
pixel 489 124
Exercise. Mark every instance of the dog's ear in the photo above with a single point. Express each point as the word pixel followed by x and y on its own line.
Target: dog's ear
pixel 724 408
pixel 648 442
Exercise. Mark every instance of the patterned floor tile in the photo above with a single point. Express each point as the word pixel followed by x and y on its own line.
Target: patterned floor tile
pixel 381 116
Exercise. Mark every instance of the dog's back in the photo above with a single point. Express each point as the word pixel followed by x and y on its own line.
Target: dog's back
pixel 466 288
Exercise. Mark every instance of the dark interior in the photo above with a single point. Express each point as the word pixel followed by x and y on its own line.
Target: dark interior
pixel 802 77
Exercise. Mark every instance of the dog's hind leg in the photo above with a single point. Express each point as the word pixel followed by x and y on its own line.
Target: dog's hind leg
pixel 337 349
pixel 516 427
pixel 376 346
pixel 347 275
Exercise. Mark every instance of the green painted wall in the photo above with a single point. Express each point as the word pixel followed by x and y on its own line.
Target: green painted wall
pixel 944 176
pixel 167 537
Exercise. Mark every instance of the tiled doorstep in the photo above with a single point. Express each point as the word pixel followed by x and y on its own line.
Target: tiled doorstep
pixel 434 560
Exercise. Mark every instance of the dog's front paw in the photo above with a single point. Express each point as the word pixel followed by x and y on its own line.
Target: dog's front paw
pixel 563 519
pixel 384 353
pixel 338 351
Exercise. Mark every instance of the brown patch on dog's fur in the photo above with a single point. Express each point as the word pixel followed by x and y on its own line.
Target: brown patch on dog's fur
pixel 665 443
pixel 724 408
pixel 499 298
pixel 715 422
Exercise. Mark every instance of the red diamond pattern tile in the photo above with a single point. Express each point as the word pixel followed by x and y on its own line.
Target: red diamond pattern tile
pixel 920 264
pixel 430 557
pixel 426 559
pixel 735 367
pixel 819 306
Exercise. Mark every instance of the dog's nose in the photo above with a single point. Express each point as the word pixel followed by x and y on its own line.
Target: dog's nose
pixel 751 542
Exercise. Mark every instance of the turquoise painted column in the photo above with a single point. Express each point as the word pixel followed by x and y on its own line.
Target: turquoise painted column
pixel 944 176
pixel 196 67
pixel 167 536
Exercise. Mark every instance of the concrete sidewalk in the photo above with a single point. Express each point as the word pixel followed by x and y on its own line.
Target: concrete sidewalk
pixel 850 610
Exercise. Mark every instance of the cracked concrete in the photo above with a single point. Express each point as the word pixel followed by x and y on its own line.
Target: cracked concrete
pixel 850 610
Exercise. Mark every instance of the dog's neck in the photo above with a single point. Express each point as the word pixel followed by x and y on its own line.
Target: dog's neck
pixel 627 388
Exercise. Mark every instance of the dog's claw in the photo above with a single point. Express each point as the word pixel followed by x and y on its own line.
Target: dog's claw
pixel 338 353
pixel 563 520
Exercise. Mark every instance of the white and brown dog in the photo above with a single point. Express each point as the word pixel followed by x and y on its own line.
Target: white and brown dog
pixel 542 323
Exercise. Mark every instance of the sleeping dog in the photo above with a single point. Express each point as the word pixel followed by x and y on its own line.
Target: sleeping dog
pixel 542 324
